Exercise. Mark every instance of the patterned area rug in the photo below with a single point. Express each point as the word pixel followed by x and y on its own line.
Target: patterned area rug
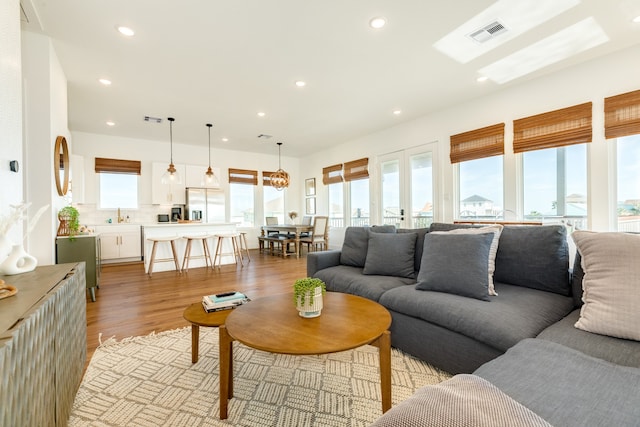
pixel 150 381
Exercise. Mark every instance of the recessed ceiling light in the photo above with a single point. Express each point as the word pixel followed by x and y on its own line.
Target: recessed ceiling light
pixel 126 31
pixel 397 112
pixel 377 23
pixel 261 114
pixel 636 19
pixel 482 79
pixel 300 83
pixel 105 82
pixel 110 123
pixel 225 139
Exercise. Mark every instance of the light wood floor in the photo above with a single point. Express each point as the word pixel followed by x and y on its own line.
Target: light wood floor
pixel 130 303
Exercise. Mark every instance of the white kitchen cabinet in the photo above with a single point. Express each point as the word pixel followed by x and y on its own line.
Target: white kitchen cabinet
pixel 120 243
pixel 195 176
pixel 167 194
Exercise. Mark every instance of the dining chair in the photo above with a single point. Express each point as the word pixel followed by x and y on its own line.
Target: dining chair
pixel 319 234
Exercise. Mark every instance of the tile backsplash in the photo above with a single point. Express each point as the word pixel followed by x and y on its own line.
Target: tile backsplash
pixel 144 214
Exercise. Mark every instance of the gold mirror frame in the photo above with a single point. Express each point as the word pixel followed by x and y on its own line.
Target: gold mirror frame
pixel 61 164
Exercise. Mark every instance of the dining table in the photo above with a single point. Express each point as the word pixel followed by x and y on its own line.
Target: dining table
pixel 292 229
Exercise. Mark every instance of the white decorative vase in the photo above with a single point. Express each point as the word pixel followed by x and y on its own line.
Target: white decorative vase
pixel 309 310
pixel 18 262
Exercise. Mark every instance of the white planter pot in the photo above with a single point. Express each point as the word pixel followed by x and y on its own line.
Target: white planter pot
pixel 310 310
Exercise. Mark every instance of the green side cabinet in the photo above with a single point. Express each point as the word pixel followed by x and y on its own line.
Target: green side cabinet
pixel 82 248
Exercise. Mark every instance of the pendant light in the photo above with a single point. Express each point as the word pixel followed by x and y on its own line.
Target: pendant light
pixel 210 178
pixel 171 176
pixel 279 179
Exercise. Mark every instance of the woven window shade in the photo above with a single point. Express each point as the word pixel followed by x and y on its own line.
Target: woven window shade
pixel 266 178
pixel 557 128
pixel 243 176
pixel 477 144
pixel 332 174
pixel 622 115
pixel 357 169
pixel 132 167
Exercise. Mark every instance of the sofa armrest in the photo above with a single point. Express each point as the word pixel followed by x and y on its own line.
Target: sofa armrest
pixel 320 260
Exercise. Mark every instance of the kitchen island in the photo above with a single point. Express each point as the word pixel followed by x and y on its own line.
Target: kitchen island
pixel 173 229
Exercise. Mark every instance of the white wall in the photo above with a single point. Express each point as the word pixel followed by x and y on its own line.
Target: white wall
pixel 45 117
pixel 591 81
pixel 11 183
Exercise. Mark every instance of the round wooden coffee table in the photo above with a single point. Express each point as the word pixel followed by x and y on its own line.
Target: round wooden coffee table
pixel 272 324
pixel 196 315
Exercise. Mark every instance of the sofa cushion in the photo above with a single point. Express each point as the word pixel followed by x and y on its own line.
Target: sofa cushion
pixel 419 244
pixel 566 387
pixel 536 257
pixel 611 284
pixel 391 255
pixel 615 350
pixel 493 251
pixel 456 263
pixel 356 241
pixel 347 279
pixel 516 314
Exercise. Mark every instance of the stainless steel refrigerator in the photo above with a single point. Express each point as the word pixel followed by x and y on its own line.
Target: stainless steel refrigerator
pixel 205 204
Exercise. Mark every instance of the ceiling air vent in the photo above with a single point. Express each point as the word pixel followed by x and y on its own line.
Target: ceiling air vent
pixel 488 32
pixel 264 136
pixel 152 119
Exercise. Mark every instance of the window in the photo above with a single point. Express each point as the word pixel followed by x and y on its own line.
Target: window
pixel 336 205
pixel 356 173
pixel 555 184
pixel 118 181
pixel 479 154
pixel 628 180
pixel 555 163
pixel 242 184
pixel 118 190
pixel 481 188
pixel 421 190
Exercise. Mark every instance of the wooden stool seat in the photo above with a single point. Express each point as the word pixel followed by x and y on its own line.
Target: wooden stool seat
pixel 152 259
pixel 205 250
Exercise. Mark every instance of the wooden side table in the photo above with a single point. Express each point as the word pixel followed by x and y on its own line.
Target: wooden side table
pixel 196 315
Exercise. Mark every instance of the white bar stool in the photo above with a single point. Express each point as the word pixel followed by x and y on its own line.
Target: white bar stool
pixel 244 246
pixel 235 245
pixel 156 240
pixel 205 250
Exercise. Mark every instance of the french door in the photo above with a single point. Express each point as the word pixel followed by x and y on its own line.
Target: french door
pixel 407 186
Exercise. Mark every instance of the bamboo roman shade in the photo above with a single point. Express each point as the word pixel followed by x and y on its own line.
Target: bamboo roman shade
pixel 356 169
pixel 266 178
pixel 622 115
pixel 243 176
pixel 332 174
pixel 557 128
pixel 117 166
pixel 477 144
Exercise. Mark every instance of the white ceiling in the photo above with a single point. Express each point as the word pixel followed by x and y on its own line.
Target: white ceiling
pixel 223 61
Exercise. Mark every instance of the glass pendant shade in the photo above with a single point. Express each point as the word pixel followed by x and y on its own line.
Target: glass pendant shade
pixel 210 178
pixel 171 176
pixel 279 179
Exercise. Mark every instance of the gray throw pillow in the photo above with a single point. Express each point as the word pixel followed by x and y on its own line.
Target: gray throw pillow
pixel 456 264
pixel 354 247
pixel 391 255
pixel 535 257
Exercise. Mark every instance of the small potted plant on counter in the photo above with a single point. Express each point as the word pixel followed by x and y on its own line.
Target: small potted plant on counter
pixel 69 223
pixel 307 295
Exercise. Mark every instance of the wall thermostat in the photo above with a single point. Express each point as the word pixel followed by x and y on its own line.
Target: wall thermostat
pixel 14 166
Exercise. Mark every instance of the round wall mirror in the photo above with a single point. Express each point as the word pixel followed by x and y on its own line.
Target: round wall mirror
pixel 61 165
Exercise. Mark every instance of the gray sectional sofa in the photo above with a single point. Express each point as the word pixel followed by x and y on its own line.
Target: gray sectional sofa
pixel 436 283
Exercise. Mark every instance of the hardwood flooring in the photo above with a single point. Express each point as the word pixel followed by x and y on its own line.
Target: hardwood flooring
pixel 130 303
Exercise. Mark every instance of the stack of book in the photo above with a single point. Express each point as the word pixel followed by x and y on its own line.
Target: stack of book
pixel 223 301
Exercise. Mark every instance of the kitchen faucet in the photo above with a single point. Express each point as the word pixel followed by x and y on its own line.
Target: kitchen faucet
pixel 120 219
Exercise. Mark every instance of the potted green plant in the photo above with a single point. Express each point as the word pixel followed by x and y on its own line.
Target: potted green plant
pixel 69 221
pixel 307 294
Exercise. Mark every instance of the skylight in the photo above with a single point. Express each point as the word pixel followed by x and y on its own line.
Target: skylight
pixel 516 16
pixel 577 38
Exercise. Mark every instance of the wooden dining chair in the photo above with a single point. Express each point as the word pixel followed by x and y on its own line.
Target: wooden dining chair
pixel 319 235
